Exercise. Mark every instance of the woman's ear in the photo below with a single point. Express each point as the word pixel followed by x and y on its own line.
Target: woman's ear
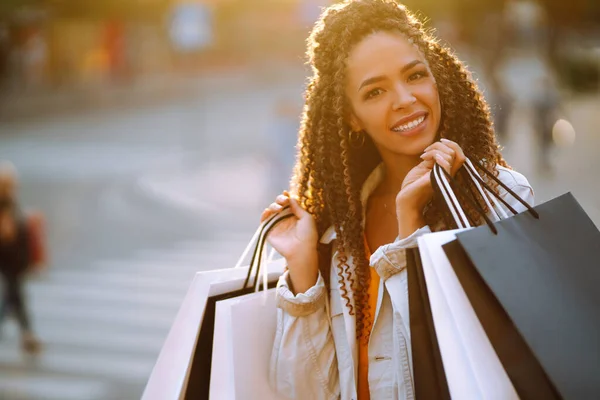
pixel 354 123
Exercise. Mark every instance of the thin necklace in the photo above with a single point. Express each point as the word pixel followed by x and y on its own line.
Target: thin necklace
pixel 387 210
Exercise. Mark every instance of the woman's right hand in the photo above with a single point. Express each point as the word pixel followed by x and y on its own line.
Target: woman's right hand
pixel 296 239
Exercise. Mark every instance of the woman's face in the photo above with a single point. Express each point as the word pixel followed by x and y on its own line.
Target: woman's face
pixel 393 94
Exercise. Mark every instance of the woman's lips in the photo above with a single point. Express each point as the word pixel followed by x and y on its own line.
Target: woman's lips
pixel 414 129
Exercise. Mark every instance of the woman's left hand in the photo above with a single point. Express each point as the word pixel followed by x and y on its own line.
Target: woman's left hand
pixel 416 189
pixel 447 154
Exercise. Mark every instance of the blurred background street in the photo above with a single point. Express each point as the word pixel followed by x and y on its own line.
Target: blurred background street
pixel 152 134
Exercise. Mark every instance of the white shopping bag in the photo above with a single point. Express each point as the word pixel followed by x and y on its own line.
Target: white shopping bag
pixel 178 358
pixel 244 334
pixel 472 367
pixel 170 374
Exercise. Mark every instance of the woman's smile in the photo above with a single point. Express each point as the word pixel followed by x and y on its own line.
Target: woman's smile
pixel 411 125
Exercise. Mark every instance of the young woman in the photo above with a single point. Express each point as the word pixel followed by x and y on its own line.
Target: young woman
pixel 385 103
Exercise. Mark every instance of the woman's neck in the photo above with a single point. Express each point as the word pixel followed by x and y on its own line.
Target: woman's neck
pixel 396 169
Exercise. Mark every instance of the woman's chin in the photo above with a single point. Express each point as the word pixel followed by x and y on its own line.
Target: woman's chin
pixel 415 148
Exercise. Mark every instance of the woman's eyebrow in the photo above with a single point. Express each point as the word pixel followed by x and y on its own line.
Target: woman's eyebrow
pixel 410 65
pixel 372 80
pixel 380 78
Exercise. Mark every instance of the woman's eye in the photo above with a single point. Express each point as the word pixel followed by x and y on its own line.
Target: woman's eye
pixel 373 93
pixel 417 75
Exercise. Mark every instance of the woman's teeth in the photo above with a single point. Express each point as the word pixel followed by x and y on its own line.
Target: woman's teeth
pixel 409 125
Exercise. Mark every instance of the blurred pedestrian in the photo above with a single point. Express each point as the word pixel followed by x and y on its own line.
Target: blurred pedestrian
pixel 14 258
pixel 546 106
pixel 501 103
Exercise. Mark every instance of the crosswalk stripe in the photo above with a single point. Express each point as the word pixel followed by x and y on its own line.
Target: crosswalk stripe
pixel 94 335
pixel 39 386
pixel 181 270
pixel 103 339
pixel 121 280
pixel 166 269
pixel 57 291
pixel 221 260
pixel 120 367
pixel 142 316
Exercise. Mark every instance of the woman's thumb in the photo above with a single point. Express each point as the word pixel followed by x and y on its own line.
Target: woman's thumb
pixel 298 211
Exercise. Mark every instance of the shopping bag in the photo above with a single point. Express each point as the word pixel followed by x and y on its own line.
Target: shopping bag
pixel 184 360
pixel 445 363
pixel 521 364
pixel 36 234
pixel 244 334
pixel 182 370
pixel 244 331
pixel 539 268
pixel 428 369
pixel 199 382
pixel 472 367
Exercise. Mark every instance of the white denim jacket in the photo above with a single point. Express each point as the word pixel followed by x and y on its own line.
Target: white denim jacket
pixel 315 352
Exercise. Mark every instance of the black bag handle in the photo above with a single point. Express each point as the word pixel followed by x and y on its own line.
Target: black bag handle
pixel 439 187
pixel 436 177
pixel 470 198
pixel 496 195
pixel 260 244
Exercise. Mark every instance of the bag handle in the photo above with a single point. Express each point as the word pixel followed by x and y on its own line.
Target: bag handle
pixel 453 203
pixel 263 231
pixel 255 236
pixel 530 209
pixel 441 183
pixel 499 213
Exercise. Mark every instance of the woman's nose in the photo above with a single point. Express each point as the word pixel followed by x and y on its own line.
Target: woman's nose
pixel 404 98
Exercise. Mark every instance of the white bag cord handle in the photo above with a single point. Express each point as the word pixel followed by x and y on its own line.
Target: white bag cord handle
pixel 441 180
pixel 451 201
pixel 253 242
pixel 454 205
pixel 259 253
pixel 498 212
pixel 249 246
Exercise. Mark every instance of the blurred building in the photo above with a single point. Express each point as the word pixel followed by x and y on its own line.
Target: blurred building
pixel 72 42
pixel 49 43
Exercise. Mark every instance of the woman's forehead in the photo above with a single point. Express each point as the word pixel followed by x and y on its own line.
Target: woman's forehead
pixel 381 53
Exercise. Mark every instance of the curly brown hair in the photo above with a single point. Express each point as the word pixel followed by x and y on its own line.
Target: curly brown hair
pixel 329 172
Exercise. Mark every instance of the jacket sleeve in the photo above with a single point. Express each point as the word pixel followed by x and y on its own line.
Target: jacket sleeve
pixel 303 362
pixel 390 259
pixel 519 184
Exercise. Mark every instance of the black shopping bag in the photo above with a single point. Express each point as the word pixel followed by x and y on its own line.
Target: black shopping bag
pixel 534 283
pixel 428 369
pixel 544 273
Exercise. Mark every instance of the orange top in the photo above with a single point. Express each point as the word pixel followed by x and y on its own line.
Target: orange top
pixel 363 347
